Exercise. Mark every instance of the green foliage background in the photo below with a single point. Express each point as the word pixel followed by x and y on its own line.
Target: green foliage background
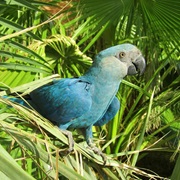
pixel 40 39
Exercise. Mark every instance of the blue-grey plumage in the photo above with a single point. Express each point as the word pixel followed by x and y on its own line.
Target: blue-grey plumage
pixel 90 99
pixel 110 113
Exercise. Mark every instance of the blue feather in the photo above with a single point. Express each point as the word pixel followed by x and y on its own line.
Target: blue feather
pixel 64 100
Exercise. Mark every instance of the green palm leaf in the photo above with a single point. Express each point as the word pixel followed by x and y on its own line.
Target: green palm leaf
pixel 127 19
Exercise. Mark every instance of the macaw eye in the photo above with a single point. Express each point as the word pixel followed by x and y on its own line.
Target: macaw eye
pixel 122 54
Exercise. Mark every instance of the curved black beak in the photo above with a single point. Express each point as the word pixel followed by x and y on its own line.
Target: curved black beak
pixel 138 66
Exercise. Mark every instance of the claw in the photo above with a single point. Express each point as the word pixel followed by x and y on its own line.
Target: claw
pixel 96 150
pixel 70 139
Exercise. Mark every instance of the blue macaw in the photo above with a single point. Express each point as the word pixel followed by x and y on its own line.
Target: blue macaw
pixel 90 99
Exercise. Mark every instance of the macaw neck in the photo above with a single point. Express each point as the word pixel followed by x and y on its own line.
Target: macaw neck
pixel 104 83
pixel 106 76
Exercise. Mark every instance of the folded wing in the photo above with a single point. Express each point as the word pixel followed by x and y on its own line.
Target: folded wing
pixel 64 100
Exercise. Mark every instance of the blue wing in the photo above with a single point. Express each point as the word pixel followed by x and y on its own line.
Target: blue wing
pixel 64 100
pixel 110 113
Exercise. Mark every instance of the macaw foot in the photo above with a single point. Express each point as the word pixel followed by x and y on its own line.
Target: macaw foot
pixel 96 150
pixel 70 139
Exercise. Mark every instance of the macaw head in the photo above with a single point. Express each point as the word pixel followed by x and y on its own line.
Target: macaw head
pixel 125 59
